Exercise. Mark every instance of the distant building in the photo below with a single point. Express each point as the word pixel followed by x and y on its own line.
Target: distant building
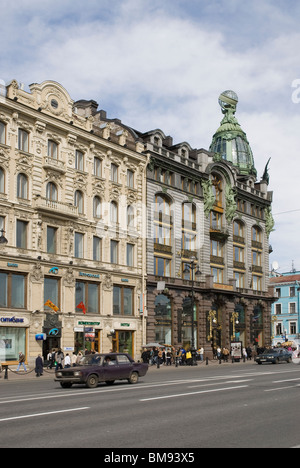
pixel 285 311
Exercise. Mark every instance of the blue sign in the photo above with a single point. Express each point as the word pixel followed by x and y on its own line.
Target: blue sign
pixel 54 332
pixel 40 337
pixel 54 270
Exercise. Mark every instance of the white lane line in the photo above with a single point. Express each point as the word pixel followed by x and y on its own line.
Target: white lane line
pixel 221 383
pixel 280 388
pixel 280 381
pixel 193 393
pixel 43 414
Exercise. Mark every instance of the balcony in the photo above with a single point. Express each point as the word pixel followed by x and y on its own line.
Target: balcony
pixel 55 207
pixel 54 164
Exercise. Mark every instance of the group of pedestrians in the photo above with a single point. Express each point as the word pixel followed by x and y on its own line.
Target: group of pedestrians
pixel 171 355
pixel 58 360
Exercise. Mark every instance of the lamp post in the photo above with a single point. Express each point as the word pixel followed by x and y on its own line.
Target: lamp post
pixel 191 268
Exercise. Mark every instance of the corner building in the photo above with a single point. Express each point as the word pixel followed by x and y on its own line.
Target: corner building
pixel 72 193
pixel 209 223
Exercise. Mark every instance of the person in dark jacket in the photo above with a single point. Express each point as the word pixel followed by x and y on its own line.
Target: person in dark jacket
pixel 39 366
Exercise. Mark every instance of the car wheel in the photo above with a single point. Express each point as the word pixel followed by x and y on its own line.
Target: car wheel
pixel 110 382
pixel 66 384
pixel 92 381
pixel 134 378
pixel 259 363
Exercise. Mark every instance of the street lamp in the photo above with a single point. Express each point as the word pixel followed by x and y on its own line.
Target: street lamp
pixel 191 268
pixel 3 239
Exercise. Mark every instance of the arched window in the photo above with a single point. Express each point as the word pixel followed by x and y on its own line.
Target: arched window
pixel 22 186
pixel 2 181
pixel 114 212
pixel 51 192
pixel 162 205
pixel 97 207
pixel 78 201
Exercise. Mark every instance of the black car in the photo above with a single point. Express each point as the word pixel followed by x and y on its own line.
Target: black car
pixel 96 368
pixel 275 356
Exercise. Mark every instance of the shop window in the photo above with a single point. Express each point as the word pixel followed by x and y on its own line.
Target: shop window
pixel 163 319
pixel 12 341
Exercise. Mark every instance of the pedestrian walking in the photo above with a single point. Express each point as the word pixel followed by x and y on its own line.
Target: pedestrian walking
pixel 59 357
pixel 74 360
pixel 21 362
pixel 39 366
pixel 67 361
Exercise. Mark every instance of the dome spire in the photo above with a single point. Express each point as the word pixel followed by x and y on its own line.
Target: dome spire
pixel 230 141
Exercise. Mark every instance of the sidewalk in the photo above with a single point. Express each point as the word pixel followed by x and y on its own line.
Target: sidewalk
pixel 13 375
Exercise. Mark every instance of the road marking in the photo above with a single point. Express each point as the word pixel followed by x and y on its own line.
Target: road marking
pixel 221 383
pixel 43 414
pixel 280 381
pixel 193 393
pixel 280 388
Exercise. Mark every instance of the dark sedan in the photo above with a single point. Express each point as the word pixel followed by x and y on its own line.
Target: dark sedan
pixel 275 356
pixel 96 368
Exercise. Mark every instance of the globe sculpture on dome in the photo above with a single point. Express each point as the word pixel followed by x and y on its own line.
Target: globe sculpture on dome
pixel 230 141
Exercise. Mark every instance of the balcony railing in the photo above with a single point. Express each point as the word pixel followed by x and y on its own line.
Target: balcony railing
pixel 57 207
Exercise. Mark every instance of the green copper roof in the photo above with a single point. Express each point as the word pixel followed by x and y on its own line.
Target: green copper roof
pixel 230 141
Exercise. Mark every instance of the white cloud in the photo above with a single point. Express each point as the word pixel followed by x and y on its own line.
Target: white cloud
pixel 164 64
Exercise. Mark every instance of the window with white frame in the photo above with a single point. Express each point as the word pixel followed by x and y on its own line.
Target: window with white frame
pixel 292 308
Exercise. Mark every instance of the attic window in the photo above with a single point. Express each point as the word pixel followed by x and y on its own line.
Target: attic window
pixel 54 103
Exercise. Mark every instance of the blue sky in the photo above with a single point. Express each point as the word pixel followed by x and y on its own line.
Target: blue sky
pixel 163 63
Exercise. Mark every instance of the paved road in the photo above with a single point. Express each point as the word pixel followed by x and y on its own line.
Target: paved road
pixel 239 405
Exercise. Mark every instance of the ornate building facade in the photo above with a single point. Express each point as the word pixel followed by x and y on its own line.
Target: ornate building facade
pixel 209 222
pixel 72 249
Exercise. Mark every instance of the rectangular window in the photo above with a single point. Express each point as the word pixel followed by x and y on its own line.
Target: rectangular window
pixel 292 308
pixel 12 290
pixel 78 247
pixel 52 149
pixel 23 140
pixel 97 241
pixel 97 167
pixel 130 255
pixel 217 273
pixel 79 160
pixel 2 133
pixel 293 328
pixel 292 291
pixel 114 245
pixel 278 309
pixel 51 292
pixel 88 293
pixel 122 300
pixel 162 266
pixel 240 279
pixel 14 340
pixel 257 283
pixel 51 239
pixel 114 173
pixel 22 234
pixel 130 179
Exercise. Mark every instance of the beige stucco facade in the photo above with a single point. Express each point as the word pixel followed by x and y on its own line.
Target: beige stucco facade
pixel 67 180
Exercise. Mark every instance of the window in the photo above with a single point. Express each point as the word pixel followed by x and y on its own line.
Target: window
pixel 23 140
pixel 114 245
pixel 278 292
pixel 256 258
pixel 162 266
pixel 78 248
pixel 257 283
pixel 130 255
pixel 114 173
pixel 12 290
pixel 122 359
pixel 130 216
pixel 2 223
pixel 239 254
pixel 240 279
pixel 88 293
pixel 97 241
pixel 217 189
pixel 278 309
pixel 22 234
pixel 78 201
pixel 51 239
pixel 162 234
pixel 22 186
pixel 256 234
pixel 52 149
pixel 97 167
pixel 215 220
pixel 217 274
pixel 79 160
pixel 114 212
pixel 188 234
pixel 51 292
pixel 2 133
pixel 51 192
pixel 293 328
pixel 238 229
pixel 292 291
pixel 2 181
pixel 97 207
pixel 122 300
pixel 130 179
pixel 292 308
pixel 216 248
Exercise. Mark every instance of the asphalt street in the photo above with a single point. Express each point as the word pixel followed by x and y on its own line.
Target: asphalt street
pixel 231 406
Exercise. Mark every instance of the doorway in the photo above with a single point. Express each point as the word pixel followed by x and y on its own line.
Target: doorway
pixel 123 342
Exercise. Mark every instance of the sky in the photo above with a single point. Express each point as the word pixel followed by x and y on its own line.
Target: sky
pixel 164 63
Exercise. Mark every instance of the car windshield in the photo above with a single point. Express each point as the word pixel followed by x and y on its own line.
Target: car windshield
pixel 91 360
pixel 270 351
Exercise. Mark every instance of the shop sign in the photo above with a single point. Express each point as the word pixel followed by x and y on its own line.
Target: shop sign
pixel 12 265
pixel 93 324
pixel 41 337
pixel 11 320
pixel 125 324
pixel 88 275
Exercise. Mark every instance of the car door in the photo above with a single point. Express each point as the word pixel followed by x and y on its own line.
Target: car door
pixel 125 366
pixel 111 368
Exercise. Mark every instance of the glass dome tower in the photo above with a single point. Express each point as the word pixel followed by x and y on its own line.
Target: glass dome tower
pixel 230 141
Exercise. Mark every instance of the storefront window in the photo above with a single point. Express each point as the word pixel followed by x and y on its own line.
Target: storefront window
pixel 88 293
pixel 12 341
pixel 122 300
pixel 163 316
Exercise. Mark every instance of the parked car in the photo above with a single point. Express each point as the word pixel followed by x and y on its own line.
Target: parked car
pixel 96 368
pixel 275 356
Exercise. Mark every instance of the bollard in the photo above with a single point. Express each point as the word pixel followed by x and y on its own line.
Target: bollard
pixel 6 373
pixel 207 361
